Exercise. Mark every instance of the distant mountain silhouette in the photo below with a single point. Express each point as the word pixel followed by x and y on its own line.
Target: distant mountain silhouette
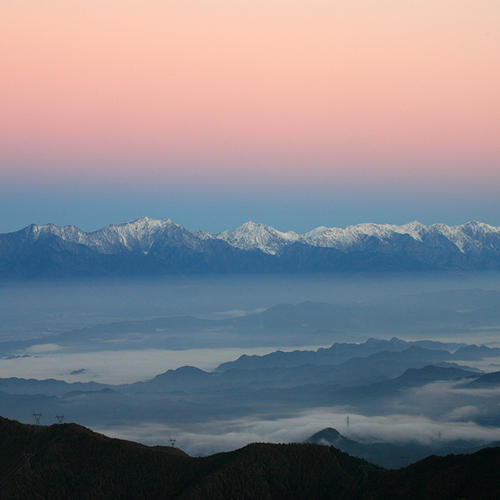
pixel 392 456
pixel 487 380
pixel 336 354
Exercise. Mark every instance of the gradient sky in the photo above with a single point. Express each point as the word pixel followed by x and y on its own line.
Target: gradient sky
pixel 293 113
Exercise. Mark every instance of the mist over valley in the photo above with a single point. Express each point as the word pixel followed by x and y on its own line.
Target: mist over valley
pixel 222 361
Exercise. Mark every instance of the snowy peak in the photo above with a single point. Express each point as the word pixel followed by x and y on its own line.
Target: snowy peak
pixel 139 235
pixel 68 233
pixel 140 226
pixel 476 229
pixel 144 224
pixel 354 237
pixel 252 236
pixel 471 237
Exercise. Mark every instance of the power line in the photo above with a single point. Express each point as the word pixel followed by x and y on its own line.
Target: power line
pixel 37 417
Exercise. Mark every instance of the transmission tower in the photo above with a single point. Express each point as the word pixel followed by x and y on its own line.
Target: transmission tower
pixel 28 456
pixel 37 417
pixel 347 421
pixel 172 441
pixel 59 418
pixel 365 472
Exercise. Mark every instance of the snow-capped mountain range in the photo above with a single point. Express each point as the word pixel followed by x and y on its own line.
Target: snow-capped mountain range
pixel 153 246
pixel 138 236
pixel 251 236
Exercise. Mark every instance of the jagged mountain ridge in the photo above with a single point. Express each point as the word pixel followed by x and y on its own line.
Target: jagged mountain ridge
pixel 466 237
pixel 147 246
pixel 138 236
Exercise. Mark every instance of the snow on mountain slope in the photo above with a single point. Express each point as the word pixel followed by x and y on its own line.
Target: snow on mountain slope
pixel 144 234
pixel 472 237
pixel 252 236
pixel 488 236
pixel 139 235
pixel 353 237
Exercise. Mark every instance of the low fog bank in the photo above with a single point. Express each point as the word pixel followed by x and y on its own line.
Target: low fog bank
pixel 113 331
pixel 214 437
pixel 118 367
pixel 33 309
pixel 129 366
pixel 136 334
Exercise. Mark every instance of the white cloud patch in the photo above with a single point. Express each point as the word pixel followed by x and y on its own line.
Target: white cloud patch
pixel 462 413
pixel 213 437
pixel 237 313
pixel 44 348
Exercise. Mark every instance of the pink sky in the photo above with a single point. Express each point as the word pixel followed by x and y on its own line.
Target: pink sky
pixel 316 94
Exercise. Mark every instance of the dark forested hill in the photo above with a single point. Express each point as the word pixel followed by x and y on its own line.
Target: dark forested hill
pixel 68 461
pixel 471 477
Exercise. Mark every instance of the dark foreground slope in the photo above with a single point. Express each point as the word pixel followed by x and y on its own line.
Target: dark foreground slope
pixel 71 462
pixel 471 477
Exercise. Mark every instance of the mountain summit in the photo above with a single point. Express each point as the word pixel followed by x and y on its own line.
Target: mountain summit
pixel 148 246
pixel 252 236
